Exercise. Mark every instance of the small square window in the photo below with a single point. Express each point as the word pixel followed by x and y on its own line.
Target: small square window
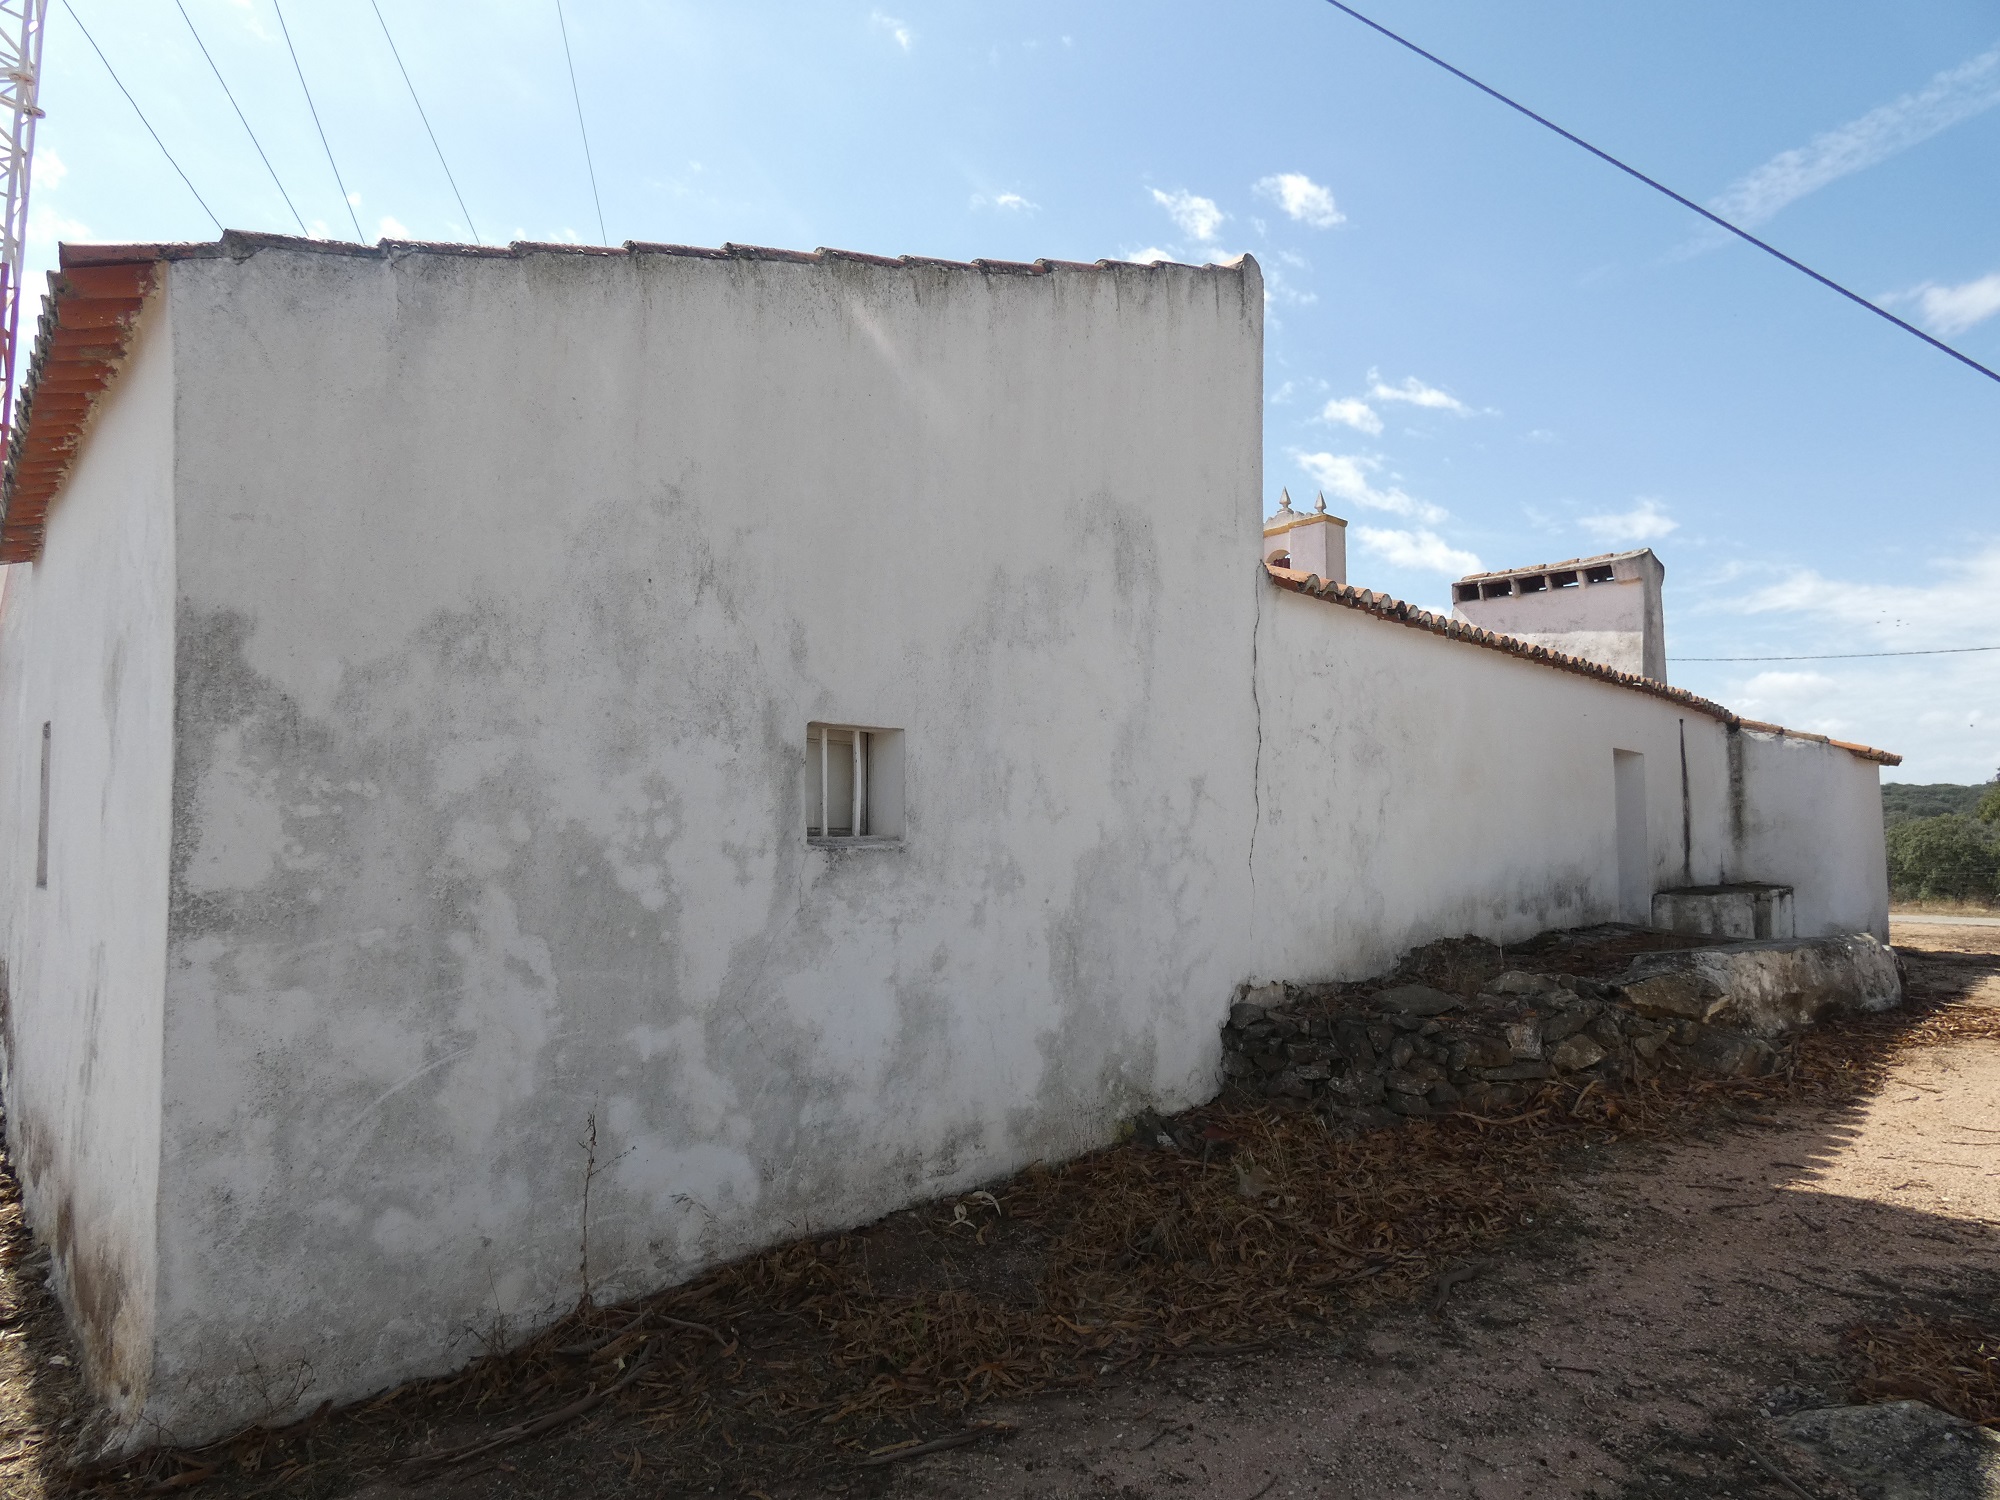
pixel 854 785
pixel 1598 575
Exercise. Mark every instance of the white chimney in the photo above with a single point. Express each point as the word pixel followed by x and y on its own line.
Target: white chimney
pixel 1604 609
pixel 1315 544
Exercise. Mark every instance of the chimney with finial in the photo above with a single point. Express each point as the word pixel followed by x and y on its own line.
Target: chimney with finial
pixel 1314 544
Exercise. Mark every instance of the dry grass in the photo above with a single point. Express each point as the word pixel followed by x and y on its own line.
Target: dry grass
pixel 1952 1363
pixel 782 1361
pixel 826 1349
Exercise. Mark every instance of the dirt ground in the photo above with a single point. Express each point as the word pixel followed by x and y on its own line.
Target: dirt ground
pixel 1634 1339
pixel 1635 1346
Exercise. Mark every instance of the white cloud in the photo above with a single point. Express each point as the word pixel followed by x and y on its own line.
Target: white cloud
pixel 393 229
pixel 47 227
pixel 1194 216
pixel 1152 254
pixel 896 29
pixel 1771 685
pixel 1346 475
pixel 49 169
pixel 1799 700
pixel 1961 609
pixel 1302 198
pixel 1012 203
pixel 1352 412
pixel 1942 712
pixel 1644 522
pixel 1953 309
pixel 252 21
pixel 1425 551
pixel 1277 286
pixel 1952 96
pixel 1415 392
pixel 354 200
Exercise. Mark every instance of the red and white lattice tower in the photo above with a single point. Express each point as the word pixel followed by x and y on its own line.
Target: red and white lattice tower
pixel 21 24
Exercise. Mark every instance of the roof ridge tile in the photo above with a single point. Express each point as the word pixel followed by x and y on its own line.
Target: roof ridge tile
pixel 1405 613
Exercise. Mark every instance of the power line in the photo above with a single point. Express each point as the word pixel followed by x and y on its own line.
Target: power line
pixel 239 115
pixel 427 124
pixel 1843 655
pixel 356 222
pixel 1685 202
pixel 141 114
pixel 602 237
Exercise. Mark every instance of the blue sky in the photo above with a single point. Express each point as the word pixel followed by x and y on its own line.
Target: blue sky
pixel 1485 346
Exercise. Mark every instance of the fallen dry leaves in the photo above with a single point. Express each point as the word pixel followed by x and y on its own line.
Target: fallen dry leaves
pixel 1952 1363
pixel 830 1349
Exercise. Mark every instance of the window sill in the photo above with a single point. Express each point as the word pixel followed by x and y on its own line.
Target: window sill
pixel 814 841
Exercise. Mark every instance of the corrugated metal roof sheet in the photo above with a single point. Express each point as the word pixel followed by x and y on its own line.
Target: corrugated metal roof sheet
pixel 1397 612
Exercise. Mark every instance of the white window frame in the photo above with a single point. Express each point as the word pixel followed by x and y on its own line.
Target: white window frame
pixel 864 751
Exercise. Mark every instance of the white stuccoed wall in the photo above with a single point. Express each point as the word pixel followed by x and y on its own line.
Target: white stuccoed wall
pixel 86 645
pixel 507 591
pixel 1415 787
pixel 1813 812
pixel 1620 623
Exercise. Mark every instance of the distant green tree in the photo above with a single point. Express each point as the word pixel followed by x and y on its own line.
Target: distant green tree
pixel 1989 805
pixel 1945 858
pixel 1905 800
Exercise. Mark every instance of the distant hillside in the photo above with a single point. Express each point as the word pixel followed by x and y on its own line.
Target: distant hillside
pixel 1902 800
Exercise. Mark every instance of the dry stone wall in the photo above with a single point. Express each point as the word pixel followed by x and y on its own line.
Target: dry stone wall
pixel 1481 1042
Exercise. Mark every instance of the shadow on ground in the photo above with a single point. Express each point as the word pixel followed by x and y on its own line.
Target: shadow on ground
pixel 1588 1303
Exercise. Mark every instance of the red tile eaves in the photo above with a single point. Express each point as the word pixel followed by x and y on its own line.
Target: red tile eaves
pixel 82 337
pixel 1396 611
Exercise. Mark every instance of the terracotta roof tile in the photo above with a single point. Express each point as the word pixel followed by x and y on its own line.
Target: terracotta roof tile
pixel 84 330
pixel 1550 567
pixel 1396 611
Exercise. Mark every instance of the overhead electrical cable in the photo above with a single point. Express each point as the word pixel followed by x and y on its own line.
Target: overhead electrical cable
pixel 239 115
pixel 581 129
pixel 1844 655
pixel 427 124
pixel 1685 202
pixel 141 114
pixel 304 88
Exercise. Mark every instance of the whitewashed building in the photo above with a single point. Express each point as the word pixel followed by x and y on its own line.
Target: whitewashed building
pixel 823 720
pixel 1605 609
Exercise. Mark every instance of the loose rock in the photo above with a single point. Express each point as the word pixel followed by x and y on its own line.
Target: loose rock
pixel 1901 1450
pixel 1417 1000
pixel 1578 1051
